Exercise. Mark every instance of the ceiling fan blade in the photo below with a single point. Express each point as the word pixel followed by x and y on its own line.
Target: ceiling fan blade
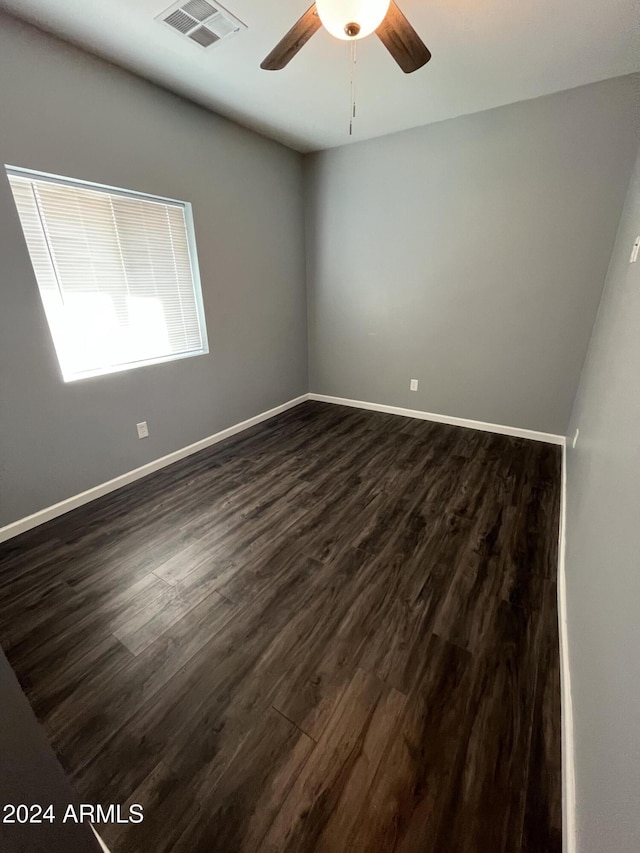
pixel 296 38
pixel 402 41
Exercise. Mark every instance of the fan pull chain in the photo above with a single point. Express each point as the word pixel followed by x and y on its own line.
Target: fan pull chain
pixel 354 67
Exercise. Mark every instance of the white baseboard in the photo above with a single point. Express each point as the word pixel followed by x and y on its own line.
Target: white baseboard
pixel 547 437
pixel 43 515
pixel 568 754
pixel 103 846
pixel 22 525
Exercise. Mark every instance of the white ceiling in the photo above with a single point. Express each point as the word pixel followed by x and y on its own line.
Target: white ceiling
pixel 485 53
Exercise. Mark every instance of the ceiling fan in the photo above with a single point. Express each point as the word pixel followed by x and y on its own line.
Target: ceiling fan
pixel 351 20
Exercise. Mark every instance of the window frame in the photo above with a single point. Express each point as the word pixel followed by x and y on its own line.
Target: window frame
pixel 48 177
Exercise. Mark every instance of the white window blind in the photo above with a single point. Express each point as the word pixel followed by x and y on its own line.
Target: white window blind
pixel 116 271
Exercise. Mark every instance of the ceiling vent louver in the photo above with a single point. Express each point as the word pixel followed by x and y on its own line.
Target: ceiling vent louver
pixel 201 22
pixel 179 21
pixel 204 36
pixel 199 9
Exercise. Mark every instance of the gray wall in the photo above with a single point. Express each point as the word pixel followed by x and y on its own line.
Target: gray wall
pixel 65 112
pixel 603 561
pixel 470 255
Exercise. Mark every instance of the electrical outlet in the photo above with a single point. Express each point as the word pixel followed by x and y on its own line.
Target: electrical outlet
pixel 143 430
pixel 413 385
pixel 575 438
pixel 634 251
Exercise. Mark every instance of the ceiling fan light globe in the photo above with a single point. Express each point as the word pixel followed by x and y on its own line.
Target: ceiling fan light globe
pixel 336 15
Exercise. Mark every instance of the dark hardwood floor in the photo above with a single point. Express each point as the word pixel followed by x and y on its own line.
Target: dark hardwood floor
pixel 334 632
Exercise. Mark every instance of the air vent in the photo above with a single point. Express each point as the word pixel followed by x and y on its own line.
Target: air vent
pixel 201 22
pixel 199 9
pixel 204 36
pixel 179 21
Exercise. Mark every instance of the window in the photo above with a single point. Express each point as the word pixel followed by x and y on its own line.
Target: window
pixel 117 273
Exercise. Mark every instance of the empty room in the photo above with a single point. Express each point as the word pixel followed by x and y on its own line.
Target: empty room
pixel 319 457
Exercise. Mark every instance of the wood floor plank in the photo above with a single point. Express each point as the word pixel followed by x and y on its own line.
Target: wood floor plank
pixel 487 785
pixel 205 708
pixel 409 795
pixel 543 812
pixel 112 693
pixel 372 748
pixel 249 795
pixel 340 763
pixel 166 815
pixel 467 612
pixel 326 640
pixel 335 631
